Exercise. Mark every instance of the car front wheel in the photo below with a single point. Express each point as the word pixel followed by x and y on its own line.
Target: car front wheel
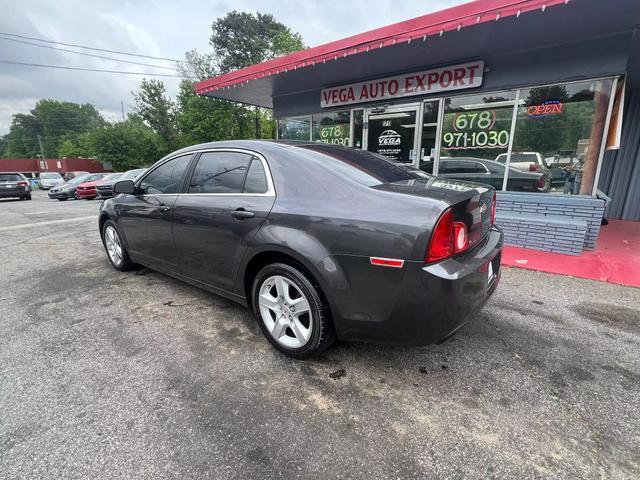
pixel 116 251
pixel 290 311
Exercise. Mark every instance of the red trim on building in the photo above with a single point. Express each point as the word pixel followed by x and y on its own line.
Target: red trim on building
pixel 419 28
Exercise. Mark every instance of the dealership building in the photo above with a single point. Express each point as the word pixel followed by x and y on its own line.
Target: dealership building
pixel 538 98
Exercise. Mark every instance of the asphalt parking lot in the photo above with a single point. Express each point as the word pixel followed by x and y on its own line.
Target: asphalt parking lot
pixel 136 375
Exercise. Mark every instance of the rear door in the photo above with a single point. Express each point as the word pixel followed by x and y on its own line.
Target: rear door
pixel 229 196
pixel 146 216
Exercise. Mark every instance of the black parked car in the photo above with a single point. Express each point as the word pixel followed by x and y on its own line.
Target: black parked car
pixel 14 185
pixel 489 172
pixel 68 190
pixel 321 241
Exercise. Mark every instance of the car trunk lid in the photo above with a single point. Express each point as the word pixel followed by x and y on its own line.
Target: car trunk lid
pixel 470 203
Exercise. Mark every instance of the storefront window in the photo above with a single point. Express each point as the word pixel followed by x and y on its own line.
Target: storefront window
pixel 475 130
pixel 332 127
pixel 294 128
pixel 558 134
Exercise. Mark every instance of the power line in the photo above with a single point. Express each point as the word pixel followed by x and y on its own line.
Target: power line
pixel 11 62
pixel 91 48
pixel 86 54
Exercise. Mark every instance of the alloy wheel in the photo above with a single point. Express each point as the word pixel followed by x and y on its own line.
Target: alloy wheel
pixel 114 247
pixel 285 311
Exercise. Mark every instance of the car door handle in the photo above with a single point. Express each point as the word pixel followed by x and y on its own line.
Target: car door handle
pixel 241 213
pixel 164 208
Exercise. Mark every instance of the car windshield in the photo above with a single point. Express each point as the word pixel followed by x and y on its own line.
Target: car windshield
pixel 363 167
pixel 132 173
pixel 113 176
pixel 10 177
pixel 78 180
pixel 51 176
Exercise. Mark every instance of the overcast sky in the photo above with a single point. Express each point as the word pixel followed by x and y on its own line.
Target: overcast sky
pixel 158 28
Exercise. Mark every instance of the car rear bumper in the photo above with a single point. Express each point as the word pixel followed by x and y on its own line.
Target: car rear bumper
pixel 417 304
pixel 14 192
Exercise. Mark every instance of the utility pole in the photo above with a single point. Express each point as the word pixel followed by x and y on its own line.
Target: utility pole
pixel 41 149
pixel 122 107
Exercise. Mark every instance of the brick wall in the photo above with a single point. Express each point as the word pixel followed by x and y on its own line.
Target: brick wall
pixel 525 213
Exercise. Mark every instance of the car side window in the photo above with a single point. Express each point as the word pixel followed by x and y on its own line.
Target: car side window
pixel 256 181
pixel 167 178
pixel 220 172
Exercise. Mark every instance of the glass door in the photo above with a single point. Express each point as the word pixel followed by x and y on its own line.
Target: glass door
pixel 392 132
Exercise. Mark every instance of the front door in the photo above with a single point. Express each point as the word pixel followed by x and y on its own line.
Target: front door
pixel 146 217
pixel 229 197
pixel 392 133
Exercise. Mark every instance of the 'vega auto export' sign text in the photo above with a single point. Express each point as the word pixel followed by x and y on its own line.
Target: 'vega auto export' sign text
pixel 456 77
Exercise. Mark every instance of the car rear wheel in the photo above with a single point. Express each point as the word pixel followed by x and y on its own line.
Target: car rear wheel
pixel 290 311
pixel 116 251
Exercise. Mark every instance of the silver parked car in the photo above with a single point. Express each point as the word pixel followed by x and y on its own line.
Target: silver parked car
pixel 49 180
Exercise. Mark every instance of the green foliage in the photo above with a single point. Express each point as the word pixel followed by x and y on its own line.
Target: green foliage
pixel 240 39
pixel 128 144
pixel 157 110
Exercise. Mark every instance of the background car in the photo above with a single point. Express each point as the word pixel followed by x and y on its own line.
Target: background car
pixel 488 172
pixel 68 190
pixel 321 241
pixel 71 175
pixel 48 180
pixel 14 185
pixel 88 191
pixel 105 187
pixel 529 162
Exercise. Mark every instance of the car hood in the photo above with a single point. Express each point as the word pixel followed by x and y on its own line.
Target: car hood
pixel 87 185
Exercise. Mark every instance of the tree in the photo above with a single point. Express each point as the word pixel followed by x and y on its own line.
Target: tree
pixel 53 121
pixel 22 139
pixel 128 144
pixel 240 39
pixel 4 142
pixel 157 110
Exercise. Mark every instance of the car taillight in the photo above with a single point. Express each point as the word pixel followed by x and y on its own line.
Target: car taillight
pixel 540 182
pixel 448 238
pixel 22 184
pixel 533 167
pixel 460 237
pixel 493 208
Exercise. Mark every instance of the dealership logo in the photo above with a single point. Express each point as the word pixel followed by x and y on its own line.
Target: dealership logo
pixel 389 138
pixel 550 107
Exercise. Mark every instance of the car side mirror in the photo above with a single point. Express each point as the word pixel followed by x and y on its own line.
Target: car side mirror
pixel 124 186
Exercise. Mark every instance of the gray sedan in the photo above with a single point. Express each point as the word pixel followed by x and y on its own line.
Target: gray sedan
pixel 322 242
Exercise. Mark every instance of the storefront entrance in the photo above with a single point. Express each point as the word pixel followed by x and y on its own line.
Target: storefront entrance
pixel 392 131
pixel 403 133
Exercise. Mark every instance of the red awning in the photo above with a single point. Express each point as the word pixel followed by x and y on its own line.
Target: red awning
pixel 437 23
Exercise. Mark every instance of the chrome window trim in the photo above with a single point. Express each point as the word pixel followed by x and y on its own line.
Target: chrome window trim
pixel 271 191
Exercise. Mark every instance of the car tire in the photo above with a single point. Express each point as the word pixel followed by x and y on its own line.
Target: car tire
pixel 115 248
pixel 62 199
pixel 28 197
pixel 300 334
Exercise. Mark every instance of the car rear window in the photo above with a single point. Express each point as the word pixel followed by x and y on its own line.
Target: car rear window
pixel 361 166
pixel 10 177
pixel 51 176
